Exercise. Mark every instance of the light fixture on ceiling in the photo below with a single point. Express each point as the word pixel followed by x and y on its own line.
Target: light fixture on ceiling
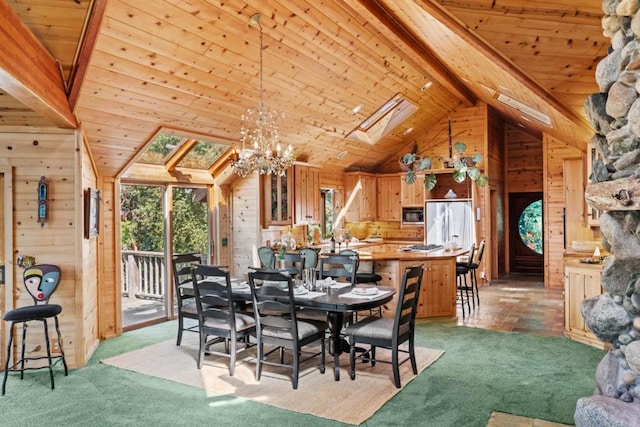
pixel 407 131
pixel 357 108
pixel 426 86
pixel 261 151
pixel 341 154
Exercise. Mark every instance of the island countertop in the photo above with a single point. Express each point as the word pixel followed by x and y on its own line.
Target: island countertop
pixel 397 255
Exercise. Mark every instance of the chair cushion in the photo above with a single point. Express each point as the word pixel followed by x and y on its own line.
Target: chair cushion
pixel 189 308
pixel 243 321
pixel 461 270
pixel 33 312
pixel 371 327
pixel 306 328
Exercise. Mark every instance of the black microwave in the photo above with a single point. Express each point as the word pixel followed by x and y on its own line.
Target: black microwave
pixel 413 215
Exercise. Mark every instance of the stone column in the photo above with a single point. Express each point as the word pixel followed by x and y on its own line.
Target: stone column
pixel 614 189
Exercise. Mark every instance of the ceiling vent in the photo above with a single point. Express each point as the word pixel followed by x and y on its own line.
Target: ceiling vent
pixel 383 120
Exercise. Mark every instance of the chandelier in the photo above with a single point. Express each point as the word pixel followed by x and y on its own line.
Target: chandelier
pixel 261 150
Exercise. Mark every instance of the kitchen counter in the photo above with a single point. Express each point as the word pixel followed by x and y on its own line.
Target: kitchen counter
pixel 438 290
pixel 413 255
pixel 575 262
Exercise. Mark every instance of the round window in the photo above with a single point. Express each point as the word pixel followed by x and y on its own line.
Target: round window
pixel 530 226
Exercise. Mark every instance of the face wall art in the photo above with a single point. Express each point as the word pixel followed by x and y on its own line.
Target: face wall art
pixel 41 281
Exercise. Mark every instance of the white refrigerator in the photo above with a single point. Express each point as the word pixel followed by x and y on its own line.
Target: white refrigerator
pixel 449 220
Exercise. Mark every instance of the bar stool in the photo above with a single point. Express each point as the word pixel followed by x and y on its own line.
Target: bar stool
pixel 463 269
pixel 40 281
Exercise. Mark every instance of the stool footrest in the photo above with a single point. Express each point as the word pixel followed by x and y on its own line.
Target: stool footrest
pixel 54 362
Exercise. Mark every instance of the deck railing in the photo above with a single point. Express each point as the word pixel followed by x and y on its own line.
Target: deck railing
pixel 143 274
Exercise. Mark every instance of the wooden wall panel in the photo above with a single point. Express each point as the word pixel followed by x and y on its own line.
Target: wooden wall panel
pixel 493 212
pixel 108 262
pixel 87 296
pixel 51 153
pixel 222 207
pixel 556 152
pixel 245 222
pixel 524 161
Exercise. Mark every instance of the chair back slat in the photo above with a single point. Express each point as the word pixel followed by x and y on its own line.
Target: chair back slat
pixel 182 264
pixel 293 263
pixel 341 267
pixel 472 251
pixel 408 301
pixel 478 255
pixel 212 290
pixel 273 301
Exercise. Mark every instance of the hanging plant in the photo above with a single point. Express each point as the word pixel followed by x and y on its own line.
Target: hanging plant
pixel 463 167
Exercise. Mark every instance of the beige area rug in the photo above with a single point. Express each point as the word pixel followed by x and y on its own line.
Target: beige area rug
pixel 500 419
pixel 317 394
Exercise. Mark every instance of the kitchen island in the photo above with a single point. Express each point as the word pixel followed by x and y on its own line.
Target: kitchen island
pixel 438 289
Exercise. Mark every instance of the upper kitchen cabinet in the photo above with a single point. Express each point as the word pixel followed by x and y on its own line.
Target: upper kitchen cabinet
pixel 388 197
pixel 306 199
pixel 412 194
pixel 446 183
pixel 277 201
pixel 360 196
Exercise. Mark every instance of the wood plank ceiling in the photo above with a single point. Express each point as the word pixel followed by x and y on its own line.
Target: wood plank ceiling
pixel 194 66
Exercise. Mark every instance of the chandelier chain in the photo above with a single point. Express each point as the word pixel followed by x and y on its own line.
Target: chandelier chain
pixel 261 151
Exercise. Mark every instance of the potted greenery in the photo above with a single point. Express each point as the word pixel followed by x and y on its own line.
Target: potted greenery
pixel 463 167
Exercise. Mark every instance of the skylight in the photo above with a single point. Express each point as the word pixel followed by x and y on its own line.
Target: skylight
pixel 173 150
pixel 383 120
pixel 519 106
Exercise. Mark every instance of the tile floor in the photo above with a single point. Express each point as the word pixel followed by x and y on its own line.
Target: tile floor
pixel 517 303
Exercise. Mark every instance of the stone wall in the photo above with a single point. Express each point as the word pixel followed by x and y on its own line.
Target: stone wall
pixel 614 316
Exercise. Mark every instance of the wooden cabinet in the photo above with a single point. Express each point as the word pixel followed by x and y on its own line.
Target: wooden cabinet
pixel 388 198
pixel 438 290
pixel 412 194
pixel 276 209
pixel 580 283
pixel 360 196
pixel 306 195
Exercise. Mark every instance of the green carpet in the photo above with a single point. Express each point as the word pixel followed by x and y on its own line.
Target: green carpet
pixel 481 371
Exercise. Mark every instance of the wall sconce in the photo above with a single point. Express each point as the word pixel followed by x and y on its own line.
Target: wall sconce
pixel 43 201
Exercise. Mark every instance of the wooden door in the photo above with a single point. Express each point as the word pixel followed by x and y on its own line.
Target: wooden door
pixel 522 258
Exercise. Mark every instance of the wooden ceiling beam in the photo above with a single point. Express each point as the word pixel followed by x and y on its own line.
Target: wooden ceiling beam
pixel 401 35
pixel 29 73
pixel 88 41
pixel 180 154
pixel 437 12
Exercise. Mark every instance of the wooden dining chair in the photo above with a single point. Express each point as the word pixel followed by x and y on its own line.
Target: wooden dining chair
pixel 278 326
pixel 218 316
pixel 293 263
pixel 381 332
pixel 181 266
pixel 310 257
pixel 267 257
pixel 341 267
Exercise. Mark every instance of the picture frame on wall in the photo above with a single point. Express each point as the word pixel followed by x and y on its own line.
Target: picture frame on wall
pixel 91 213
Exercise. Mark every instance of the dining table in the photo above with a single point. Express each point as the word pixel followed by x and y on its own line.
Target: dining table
pixel 337 299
